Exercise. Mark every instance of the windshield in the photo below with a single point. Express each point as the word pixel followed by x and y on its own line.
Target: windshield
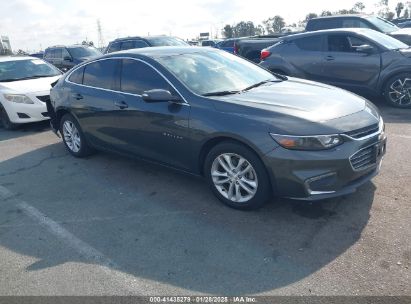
pixel 166 41
pixel 81 51
pixel 382 24
pixel 386 41
pixel 215 71
pixel 14 70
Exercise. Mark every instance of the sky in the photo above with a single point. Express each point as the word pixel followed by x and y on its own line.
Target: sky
pixel 32 25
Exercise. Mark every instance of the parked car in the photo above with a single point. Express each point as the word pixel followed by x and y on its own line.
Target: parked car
pixel 37 55
pixel 227 45
pixel 66 57
pixel 360 60
pixel 211 113
pixel 210 42
pixel 406 24
pixel 400 21
pixel 360 21
pixel 25 84
pixel 128 43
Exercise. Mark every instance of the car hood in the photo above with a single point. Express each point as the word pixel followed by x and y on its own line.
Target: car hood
pixel 29 85
pixel 301 107
pixel 402 31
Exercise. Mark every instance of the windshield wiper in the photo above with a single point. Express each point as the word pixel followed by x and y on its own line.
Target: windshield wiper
pixel 221 93
pixel 259 84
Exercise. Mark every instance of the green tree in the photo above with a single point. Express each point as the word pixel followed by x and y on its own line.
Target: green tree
pixel 326 13
pixel 310 16
pixel 244 28
pixel 406 14
pixel 399 8
pixel 358 7
pixel 274 24
pixel 228 31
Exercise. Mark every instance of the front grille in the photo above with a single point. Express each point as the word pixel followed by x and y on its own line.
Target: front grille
pixel 44 98
pixel 363 132
pixel 364 158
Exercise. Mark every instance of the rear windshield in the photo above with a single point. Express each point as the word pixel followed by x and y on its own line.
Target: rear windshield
pixel 166 41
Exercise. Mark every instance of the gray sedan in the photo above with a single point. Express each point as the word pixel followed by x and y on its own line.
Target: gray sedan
pixel 360 60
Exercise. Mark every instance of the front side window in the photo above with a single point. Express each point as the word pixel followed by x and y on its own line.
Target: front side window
pixel 206 72
pixel 310 43
pixel 58 53
pixel 140 44
pixel 101 74
pixel 137 77
pixel 26 69
pixel 126 45
pixel 345 43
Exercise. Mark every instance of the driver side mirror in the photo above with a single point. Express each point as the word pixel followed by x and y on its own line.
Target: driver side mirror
pixel 159 95
pixel 365 48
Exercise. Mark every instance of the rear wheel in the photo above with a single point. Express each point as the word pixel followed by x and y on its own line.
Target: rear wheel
pixel 73 137
pixel 397 91
pixel 237 176
pixel 5 120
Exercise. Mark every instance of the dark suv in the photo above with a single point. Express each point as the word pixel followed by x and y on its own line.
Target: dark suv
pixel 360 21
pixel 128 43
pixel 66 57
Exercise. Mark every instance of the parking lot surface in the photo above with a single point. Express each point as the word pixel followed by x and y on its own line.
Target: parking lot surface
pixel 109 225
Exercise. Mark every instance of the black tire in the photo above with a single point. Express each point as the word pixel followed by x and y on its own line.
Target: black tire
pixel 390 97
pixel 5 120
pixel 263 192
pixel 84 148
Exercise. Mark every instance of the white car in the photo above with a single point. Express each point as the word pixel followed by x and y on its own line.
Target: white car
pixel 25 84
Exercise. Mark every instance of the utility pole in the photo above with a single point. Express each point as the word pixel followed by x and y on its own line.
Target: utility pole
pixel 100 35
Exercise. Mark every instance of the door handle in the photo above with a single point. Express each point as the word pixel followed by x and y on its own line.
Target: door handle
pixel 329 58
pixel 121 104
pixel 77 96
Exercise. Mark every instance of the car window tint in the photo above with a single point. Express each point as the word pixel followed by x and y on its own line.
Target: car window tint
pixel 310 43
pixel 350 23
pixel 137 77
pixel 100 74
pixel 58 53
pixel 126 45
pixel 66 53
pixel 345 43
pixel 140 44
pixel 77 76
pixel 115 47
pixel 321 24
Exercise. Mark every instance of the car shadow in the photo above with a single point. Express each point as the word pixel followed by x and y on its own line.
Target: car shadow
pixel 389 113
pixel 24 130
pixel 165 226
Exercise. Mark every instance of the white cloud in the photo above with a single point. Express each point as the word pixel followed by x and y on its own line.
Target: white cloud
pixel 31 23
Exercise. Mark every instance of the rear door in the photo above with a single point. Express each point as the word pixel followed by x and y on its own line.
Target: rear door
pixel 344 66
pixel 153 130
pixel 306 55
pixel 93 99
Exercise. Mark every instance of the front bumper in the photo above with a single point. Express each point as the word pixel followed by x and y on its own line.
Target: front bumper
pixel 316 175
pixel 25 113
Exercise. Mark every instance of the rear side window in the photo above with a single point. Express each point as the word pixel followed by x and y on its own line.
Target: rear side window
pixel 311 43
pixel 58 53
pixel 137 77
pixel 115 47
pixel 126 45
pixel 101 74
pixel 350 23
pixel 322 24
pixel 77 76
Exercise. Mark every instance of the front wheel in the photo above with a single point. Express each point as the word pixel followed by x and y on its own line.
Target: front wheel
pixel 397 91
pixel 5 120
pixel 73 137
pixel 237 176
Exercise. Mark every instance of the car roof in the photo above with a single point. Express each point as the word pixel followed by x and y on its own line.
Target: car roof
pixel 68 46
pixel 335 31
pixel 141 37
pixel 342 16
pixel 16 58
pixel 162 51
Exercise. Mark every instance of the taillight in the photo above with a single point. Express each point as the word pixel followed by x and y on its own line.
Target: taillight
pixel 264 54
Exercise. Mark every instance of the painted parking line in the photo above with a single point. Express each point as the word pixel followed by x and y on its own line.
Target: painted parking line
pixel 110 268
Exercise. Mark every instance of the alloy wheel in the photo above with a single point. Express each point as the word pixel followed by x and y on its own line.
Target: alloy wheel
pixel 234 177
pixel 71 136
pixel 400 91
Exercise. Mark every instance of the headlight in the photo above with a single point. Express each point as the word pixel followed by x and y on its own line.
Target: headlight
pixel 318 142
pixel 18 98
